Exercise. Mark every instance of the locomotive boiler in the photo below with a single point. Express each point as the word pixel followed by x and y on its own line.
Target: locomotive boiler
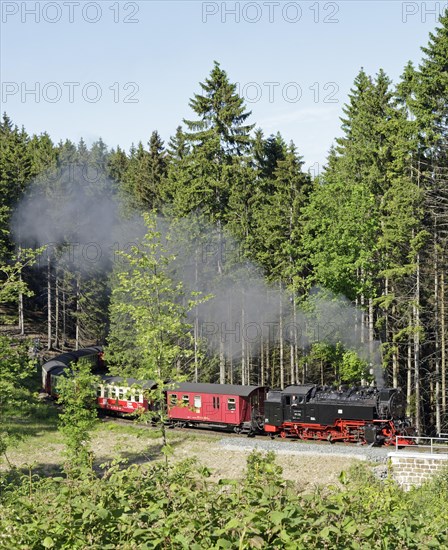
pixel 363 414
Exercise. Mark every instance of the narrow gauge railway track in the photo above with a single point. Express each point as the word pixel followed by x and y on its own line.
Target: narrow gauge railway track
pixel 198 431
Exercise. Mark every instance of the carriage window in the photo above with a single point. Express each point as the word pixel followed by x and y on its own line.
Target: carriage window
pixel 120 393
pixel 137 397
pixel 173 399
pixel 99 391
pixel 231 405
pixel 216 402
pixel 186 399
pixel 197 402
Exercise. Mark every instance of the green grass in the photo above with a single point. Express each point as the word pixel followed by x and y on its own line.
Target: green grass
pixel 34 420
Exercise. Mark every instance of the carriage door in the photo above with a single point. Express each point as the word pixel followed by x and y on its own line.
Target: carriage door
pixel 197 404
pixel 231 416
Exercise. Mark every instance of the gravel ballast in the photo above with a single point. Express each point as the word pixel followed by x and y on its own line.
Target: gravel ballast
pixel 295 447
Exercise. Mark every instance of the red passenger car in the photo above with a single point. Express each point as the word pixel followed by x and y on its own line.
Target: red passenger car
pixel 224 406
pixel 123 395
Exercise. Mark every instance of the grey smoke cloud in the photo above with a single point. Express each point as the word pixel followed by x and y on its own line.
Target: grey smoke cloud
pixel 81 215
pixel 246 311
pixel 78 215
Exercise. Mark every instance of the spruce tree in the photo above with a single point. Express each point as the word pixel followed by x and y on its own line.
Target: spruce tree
pixel 217 139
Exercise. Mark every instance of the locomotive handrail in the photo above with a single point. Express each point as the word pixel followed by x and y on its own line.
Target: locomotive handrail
pixel 437 443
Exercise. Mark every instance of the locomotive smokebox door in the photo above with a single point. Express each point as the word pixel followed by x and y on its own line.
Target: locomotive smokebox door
pixel 371 434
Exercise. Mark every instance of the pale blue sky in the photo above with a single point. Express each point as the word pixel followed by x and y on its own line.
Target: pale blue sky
pixel 159 59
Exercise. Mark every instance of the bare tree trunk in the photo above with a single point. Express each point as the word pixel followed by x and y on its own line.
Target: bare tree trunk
pixel 282 368
pixel 21 326
pixel 371 327
pixel 56 309
pixel 305 363
pixel 291 349
pixel 248 362
pixel 296 338
pixel 291 346
pixel 395 368
pixel 409 373
pixel 363 320
pixel 416 311
pixel 230 362
pixel 21 310
pixel 243 342
pixel 230 345
pixel 64 318
pixel 357 304
pixel 49 302
pixel 390 337
pixel 196 322
pixel 222 363
pixel 436 338
pixel 78 309
pixel 261 362
pixel 431 402
pixel 443 340
pixel 196 336
pixel 270 378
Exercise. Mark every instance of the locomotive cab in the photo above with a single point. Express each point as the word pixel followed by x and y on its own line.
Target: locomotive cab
pixel 289 405
pixel 295 399
pixel 273 409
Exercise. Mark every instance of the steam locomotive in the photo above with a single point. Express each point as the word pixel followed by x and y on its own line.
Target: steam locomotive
pixel 364 415
pixel 307 411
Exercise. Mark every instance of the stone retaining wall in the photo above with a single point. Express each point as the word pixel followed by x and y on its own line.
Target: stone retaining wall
pixel 412 469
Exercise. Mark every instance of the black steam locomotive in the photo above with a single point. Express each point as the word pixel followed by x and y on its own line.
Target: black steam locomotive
pixel 364 415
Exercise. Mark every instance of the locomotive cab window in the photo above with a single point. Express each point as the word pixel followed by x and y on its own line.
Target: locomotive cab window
pixel 231 405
